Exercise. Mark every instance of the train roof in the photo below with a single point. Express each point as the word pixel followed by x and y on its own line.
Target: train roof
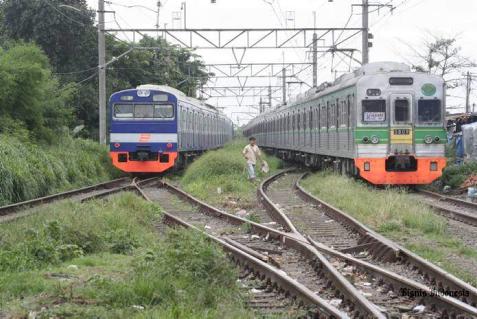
pixel 352 78
pixel 180 96
pixel 344 81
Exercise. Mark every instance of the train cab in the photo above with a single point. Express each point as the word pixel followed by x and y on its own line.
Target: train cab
pixel 143 130
pixel 400 132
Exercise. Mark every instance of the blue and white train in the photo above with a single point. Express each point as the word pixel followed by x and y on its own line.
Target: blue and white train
pixel 154 128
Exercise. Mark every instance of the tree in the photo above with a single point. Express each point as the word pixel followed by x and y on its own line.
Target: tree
pixel 31 99
pixel 69 39
pixel 442 56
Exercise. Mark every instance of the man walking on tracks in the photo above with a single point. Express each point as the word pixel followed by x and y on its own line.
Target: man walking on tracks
pixel 251 152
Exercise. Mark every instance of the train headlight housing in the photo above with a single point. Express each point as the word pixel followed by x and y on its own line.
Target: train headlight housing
pixel 428 139
pixel 373 92
pixel 374 139
pixel 433 166
pixel 367 166
pixel 366 139
pixel 437 139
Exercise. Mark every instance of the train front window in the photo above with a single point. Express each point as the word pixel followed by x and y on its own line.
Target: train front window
pixel 429 111
pixel 143 111
pixel 124 111
pixel 401 111
pixel 374 111
pixel 165 111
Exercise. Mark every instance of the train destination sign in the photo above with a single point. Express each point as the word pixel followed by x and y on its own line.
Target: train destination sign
pixel 374 116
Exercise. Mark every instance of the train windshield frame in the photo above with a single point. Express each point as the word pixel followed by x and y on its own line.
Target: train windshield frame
pixel 373 111
pixel 429 111
pixel 144 111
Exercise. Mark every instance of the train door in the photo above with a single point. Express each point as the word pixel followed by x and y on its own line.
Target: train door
pixel 401 144
pixel 401 130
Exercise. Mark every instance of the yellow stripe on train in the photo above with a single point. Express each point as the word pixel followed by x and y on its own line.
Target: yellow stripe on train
pixel 401 136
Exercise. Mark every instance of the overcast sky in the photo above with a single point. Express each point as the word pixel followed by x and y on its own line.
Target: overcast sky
pixel 396 36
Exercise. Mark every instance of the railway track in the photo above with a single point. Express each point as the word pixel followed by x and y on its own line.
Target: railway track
pixel 449 207
pixel 297 265
pixel 292 254
pixel 381 269
pixel 18 210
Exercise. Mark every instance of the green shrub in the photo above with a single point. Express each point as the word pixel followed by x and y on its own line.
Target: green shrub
pixel 223 169
pixel 455 175
pixel 68 230
pixel 185 274
pixel 28 170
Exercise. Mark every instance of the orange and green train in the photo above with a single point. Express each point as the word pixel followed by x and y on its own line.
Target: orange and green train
pixel 381 122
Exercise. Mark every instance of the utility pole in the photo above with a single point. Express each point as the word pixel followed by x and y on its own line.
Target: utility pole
pixel 467 92
pixel 184 7
pixel 157 17
pixel 365 47
pixel 315 53
pixel 315 60
pixel 102 73
pixel 284 85
pixel 261 105
pixel 270 96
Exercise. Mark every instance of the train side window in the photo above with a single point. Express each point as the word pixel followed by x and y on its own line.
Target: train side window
pixel 348 108
pixel 337 113
pixel 311 117
pixel 323 116
pixel 374 111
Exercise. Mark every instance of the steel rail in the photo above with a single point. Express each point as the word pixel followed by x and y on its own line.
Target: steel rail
pixel 290 240
pixel 15 211
pixel 9 209
pixel 470 219
pixel 441 278
pixel 245 260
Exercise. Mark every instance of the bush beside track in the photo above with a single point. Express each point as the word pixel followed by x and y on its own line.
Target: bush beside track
pixel 100 260
pixel 224 169
pixel 399 216
pixel 30 170
pixel 455 175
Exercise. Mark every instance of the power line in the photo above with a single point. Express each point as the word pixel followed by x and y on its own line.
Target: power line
pixel 63 14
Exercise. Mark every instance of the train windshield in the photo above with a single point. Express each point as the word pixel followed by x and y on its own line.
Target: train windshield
pixel 143 111
pixel 374 111
pixel 429 111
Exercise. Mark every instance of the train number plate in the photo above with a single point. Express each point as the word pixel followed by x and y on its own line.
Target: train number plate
pixel 401 131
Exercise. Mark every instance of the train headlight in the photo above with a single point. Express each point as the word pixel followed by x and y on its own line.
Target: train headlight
pixel 437 139
pixel 428 139
pixel 374 139
pixel 433 166
pixel 169 145
pixel 366 139
pixel 373 92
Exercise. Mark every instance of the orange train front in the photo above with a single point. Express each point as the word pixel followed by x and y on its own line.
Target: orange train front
pixel 381 122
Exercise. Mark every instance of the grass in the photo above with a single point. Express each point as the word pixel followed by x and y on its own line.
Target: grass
pixel 104 259
pixel 221 174
pixel 393 213
pixel 28 170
